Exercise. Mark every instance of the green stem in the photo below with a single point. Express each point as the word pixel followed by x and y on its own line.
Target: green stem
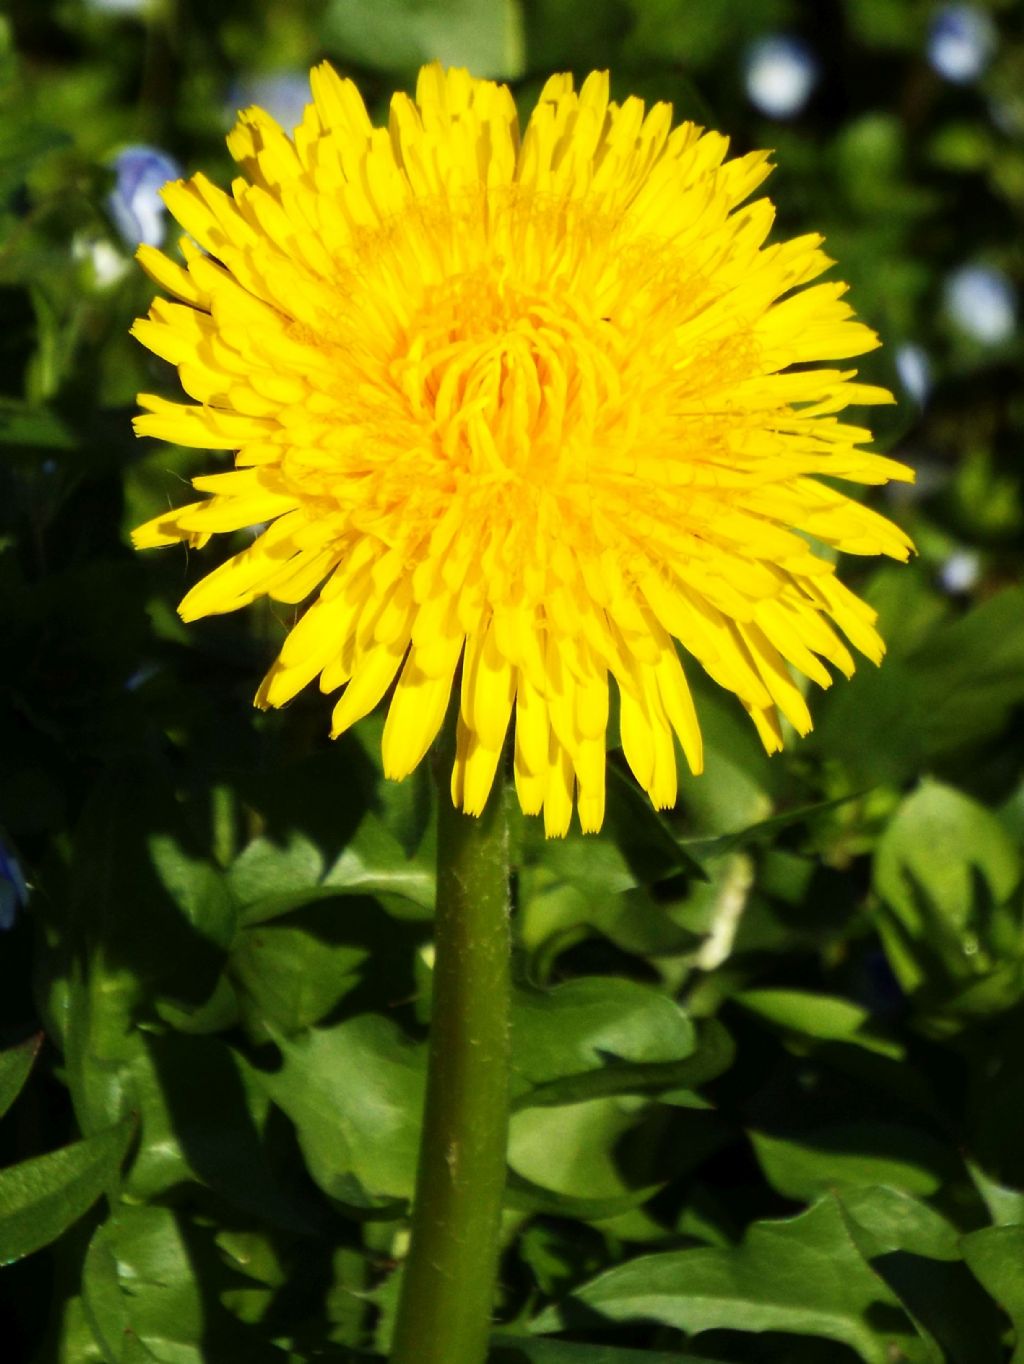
pixel 444 1312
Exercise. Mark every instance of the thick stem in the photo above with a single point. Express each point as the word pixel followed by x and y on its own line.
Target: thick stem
pixel 444 1313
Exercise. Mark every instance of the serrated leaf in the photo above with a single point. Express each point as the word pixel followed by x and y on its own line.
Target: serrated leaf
pixel 42 1197
pixel 803 1275
pixel 292 972
pixel 938 1294
pixel 267 870
pixel 355 1094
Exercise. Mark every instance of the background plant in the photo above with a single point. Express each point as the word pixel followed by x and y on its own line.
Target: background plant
pixel 768 1049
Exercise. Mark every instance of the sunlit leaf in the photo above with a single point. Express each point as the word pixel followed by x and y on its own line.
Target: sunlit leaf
pixel 803 1275
pixel 42 1197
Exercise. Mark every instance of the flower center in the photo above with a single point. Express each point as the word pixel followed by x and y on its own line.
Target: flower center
pixel 511 379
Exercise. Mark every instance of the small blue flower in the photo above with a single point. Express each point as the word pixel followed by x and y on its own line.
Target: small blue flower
pixel 780 74
pixel 961 42
pixel 981 302
pixel 960 572
pixel 134 203
pixel 283 94
pixel 914 371
pixel 13 889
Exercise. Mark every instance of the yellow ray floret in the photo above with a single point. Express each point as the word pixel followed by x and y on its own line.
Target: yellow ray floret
pixel 521 417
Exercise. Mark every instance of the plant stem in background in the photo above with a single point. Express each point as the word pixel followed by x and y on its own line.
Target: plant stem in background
pixel 444 1312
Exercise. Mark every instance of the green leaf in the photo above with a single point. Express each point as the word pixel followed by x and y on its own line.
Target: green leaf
pixel 713 1055
pixel 572 1150
pixel 589 1023
pixel 892 1220
pixel 524 1196
pixel 574 887
pixel 73 1338
pixel 843 1154
pixel 995 1256
pixel 944 868
pixel 150 919
pixel 507 1349
pixel 204 1118
pixel 270 870
pixel 42 1197
pixel 937 1291
pixel 1005 1204
pixel 291 973
pixel 647 842
pixel 149 914
pixel 22 144
pixel 151 1284
pixel 355 1094
pixel 935 839
pixel 24 424
pixel 329 831
pixel 510 1349
pixel 826 1018
pixel 15 1066
pixel 694 35
pixel 765 830
pixel 396 35
pixel 970 672
pixel 735 790
pixel 804 1275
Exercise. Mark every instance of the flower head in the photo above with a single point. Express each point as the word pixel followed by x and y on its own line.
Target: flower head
pixel 538 406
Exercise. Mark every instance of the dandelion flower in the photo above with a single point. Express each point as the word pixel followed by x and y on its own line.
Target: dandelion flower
pixel 545 407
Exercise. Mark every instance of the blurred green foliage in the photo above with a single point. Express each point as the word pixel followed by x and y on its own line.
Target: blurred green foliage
pixel 769 1049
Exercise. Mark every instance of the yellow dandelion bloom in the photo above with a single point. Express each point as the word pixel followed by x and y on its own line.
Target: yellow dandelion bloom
pixel 544 405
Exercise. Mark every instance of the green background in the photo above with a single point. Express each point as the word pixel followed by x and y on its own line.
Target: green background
pixel 768 1048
